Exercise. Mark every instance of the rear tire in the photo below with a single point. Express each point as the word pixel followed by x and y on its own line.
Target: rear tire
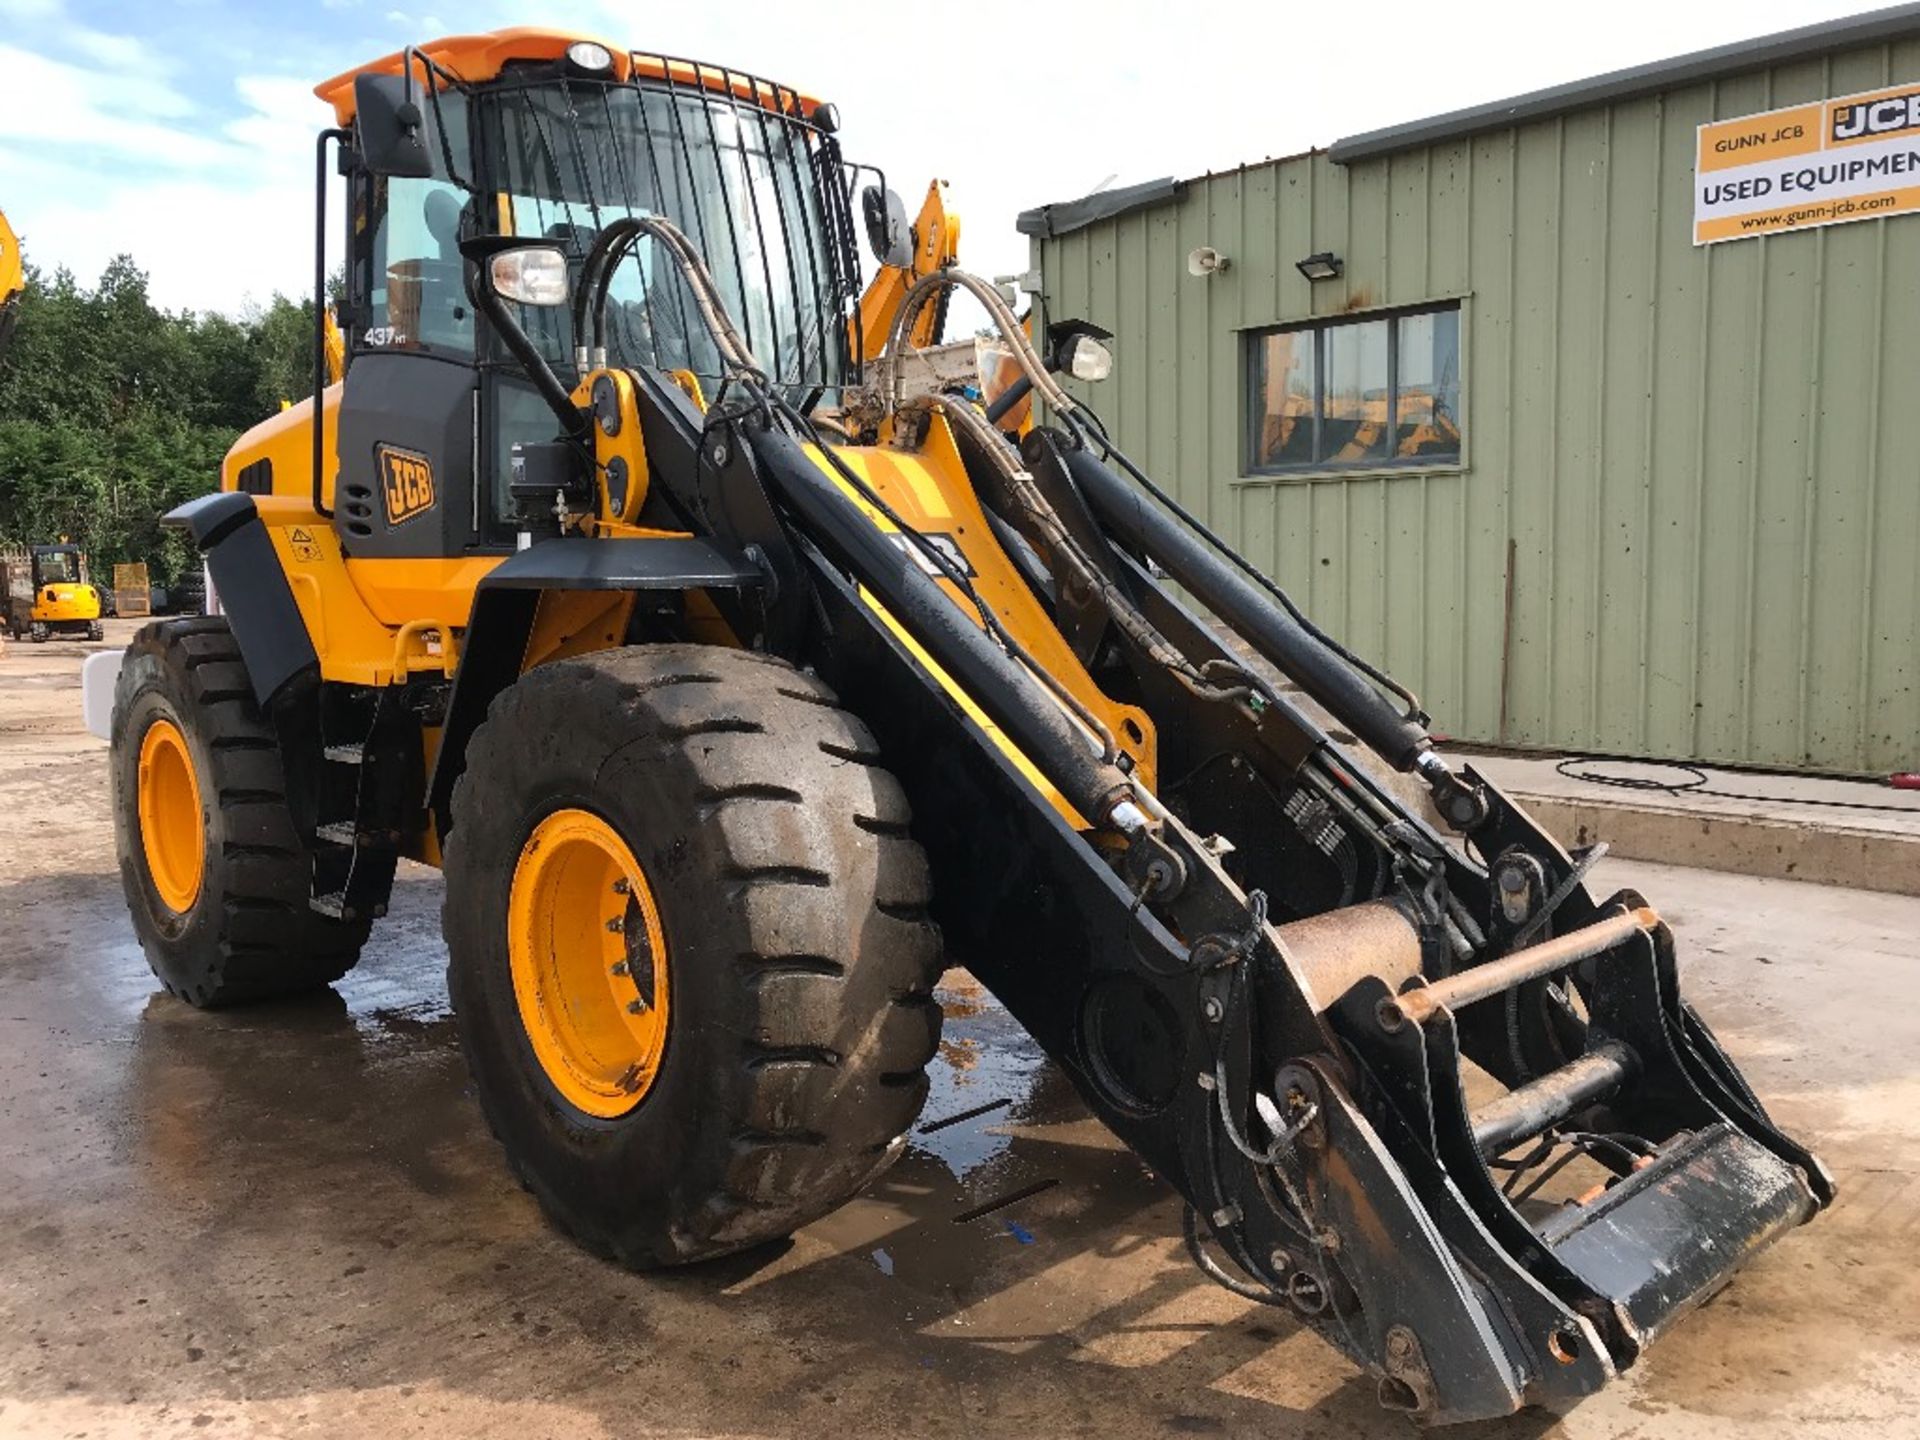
pixel 798 957
pixel 235 926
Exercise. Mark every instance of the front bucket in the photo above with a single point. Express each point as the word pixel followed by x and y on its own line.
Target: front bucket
pixel 1525 1250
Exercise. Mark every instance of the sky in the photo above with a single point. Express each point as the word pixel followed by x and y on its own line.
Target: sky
pixel 181 131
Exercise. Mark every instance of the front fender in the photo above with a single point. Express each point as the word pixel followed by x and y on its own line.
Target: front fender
pixel 254 593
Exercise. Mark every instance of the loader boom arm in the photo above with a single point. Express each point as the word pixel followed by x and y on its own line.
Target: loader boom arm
pixel 1264 973
pixel 13 281
pixel 1267 975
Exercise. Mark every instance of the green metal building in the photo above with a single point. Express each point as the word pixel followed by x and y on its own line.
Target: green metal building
pixel 1586 484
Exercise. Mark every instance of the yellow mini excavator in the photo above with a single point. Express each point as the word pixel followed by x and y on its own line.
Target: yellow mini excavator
pixel 47 592
pixel 741 668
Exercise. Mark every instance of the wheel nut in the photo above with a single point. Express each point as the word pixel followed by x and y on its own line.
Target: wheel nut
pixel 616 925
pixel 620 967
pixel 636 1007
pixel 621 886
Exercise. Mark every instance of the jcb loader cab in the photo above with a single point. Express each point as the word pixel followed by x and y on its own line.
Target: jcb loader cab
pixel 740 671
pixel 46 592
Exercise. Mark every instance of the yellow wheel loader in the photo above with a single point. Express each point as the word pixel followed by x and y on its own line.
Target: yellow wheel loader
pixel 741 668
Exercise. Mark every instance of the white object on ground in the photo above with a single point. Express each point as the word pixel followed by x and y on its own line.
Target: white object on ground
pixel 98 676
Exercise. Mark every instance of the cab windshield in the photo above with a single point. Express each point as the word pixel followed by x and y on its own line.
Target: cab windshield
pixel 58 567
pixel 564 160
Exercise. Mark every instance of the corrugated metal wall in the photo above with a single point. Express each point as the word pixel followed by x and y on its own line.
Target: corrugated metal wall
pixel 1704 462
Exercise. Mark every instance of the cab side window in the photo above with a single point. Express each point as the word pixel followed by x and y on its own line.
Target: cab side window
pixel 409 231
pixel 419 296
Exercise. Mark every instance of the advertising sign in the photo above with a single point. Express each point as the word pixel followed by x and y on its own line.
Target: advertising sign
pixel 1823 163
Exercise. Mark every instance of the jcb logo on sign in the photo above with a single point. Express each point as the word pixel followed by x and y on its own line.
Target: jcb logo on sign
pixel 407 479
pixel 1869 116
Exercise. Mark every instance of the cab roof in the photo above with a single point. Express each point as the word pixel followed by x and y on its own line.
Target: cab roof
pixel 479 58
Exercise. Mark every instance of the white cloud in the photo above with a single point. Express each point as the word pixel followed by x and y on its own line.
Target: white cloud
pixel 219 218
pixel 51 102
pixel 122 51
pixel 1017 104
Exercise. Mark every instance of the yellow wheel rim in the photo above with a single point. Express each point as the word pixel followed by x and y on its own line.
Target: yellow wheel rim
pixel 589 960
pixel 172 829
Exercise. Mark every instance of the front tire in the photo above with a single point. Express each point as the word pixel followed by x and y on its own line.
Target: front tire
pixel 688 948
pixel 215 873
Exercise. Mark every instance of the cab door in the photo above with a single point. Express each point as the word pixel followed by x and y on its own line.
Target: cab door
pixel 408 504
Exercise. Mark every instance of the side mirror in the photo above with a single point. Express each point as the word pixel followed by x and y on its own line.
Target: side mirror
pixel 888 234
pixel 393 132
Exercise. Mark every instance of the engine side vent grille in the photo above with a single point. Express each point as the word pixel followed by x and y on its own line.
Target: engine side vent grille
pixel 356 509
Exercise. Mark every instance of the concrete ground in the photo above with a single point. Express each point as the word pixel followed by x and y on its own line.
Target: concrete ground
pixel 291 1220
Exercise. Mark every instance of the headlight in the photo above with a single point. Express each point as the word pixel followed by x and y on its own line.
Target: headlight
pixel 531 274
pixel 588 55
pixel 1089 359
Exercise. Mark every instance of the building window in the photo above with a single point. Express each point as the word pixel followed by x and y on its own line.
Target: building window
pixel 1375 391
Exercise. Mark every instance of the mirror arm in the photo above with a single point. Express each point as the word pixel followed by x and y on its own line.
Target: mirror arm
pixel 409 103
pixel 320 313
pixel 409 57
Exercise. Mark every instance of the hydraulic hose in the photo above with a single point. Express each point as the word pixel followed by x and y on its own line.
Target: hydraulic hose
pixel 1040 380
pixel 1011 330
pixel 605 257
pixel 1246 611
pixel 1069 553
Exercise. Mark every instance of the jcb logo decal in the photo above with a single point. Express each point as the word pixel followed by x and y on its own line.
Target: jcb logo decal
pixel 407 479
pixel 1869 116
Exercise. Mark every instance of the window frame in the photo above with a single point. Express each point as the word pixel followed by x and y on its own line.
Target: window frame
pixel 1252 363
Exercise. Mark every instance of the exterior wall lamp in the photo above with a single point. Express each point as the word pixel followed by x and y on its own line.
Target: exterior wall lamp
pixel 1324 266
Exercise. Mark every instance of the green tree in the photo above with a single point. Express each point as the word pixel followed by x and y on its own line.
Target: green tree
pixel 113 411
